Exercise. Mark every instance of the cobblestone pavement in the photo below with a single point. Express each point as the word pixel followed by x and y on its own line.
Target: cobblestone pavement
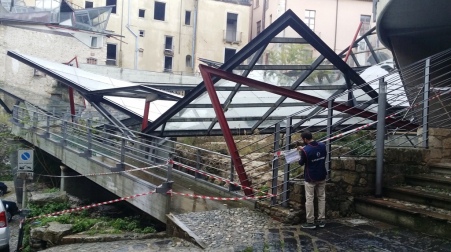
pixel 246 230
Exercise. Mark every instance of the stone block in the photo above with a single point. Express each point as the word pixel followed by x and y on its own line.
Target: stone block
pixel 435 155
pixel 336 164
pixel 336 176
pixel 360 168
pixel 350 177
pixel 348 163
pixel 404 156
pixel 362 182
pixel 435 142
pixel 446 143
pixel 439 132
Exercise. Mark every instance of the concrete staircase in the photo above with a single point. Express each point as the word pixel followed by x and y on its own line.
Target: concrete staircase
pixel 423 204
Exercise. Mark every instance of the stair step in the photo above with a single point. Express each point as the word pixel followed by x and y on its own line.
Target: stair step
pixel 429 180
pixel 442 168
pixel 426 196
pixel 417 217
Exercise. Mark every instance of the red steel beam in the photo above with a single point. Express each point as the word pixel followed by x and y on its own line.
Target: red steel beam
pixel 208 71
pixel 145 116
pixel 226 131
pixel 352 43
pixel 71 91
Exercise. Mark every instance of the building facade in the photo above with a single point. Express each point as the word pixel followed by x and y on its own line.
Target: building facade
pixel 171 36
pixel 334 21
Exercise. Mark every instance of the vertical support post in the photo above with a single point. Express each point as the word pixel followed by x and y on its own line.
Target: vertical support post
pixel 35 120
pixel 231 174
pixel 286 170
pixel 63 179
pixel 121 165
pixel 169 172
pixel 380 135
pixel 425 135
pixel 275 164
pixel 330 115
pixel 47 126
pixel 197 175
pixel 72 103
pixel 64 131
pixel 89 129
pixel 24 193
pixel 15 114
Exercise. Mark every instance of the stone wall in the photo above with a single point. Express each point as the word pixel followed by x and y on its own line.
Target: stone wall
pixel 352 177
pixel 439 144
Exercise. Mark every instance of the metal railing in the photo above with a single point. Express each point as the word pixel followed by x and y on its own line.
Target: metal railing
pixel 416 96
pixel 94 139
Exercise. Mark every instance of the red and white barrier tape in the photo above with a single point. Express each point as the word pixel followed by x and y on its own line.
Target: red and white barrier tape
pixel 103 173
pixel 217 198
pixel 218 178
pixel 90 206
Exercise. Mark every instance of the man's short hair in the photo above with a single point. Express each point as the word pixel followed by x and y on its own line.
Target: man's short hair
pixel 307 135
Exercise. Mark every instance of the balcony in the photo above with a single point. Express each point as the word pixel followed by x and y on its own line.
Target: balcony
pixel 232 37
pixel 168 50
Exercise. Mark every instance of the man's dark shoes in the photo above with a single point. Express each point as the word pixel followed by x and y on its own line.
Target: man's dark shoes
pixel 321 223
pixel 308 226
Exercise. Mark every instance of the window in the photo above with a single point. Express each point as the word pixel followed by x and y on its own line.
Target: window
pixel 93 41
pixel 188 61
pixel 366 21
pixel 187 17
pixel 231 30
pixel 141 33
pixel 168 43
pixel 88 4
pixel 228 53
pixel 111 54
pixel 167 64
pixel 141 13
pixel 92 61
pixel 159 11
pixel 112 2
pixel 310 19
pixel 259 27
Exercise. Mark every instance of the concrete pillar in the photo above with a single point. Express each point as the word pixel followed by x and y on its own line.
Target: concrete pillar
pixel 64 170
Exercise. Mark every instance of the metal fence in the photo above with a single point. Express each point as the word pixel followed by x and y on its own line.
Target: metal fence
pixel 92 139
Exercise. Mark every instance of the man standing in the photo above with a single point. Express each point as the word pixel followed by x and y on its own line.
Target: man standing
pixel 313 157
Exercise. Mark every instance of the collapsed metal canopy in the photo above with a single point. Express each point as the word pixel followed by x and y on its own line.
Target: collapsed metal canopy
pixel 246 108
pixel 126 97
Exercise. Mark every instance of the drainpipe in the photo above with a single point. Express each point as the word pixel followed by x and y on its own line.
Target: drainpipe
pixel 336 26
pixel 122 25
pixel 196 5
pixel 136 37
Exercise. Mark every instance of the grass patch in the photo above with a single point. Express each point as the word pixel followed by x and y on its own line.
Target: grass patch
pixel 51 190
pixel 83 222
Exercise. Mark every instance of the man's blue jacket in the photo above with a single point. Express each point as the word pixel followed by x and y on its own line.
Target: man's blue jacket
pixel 313 156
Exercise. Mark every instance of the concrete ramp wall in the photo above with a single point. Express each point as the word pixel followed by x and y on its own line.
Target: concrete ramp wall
pixel 122 185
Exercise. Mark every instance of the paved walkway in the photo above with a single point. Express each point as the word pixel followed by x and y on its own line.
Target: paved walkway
pixel 246 230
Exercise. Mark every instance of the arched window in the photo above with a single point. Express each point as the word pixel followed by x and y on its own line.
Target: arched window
pixel 188 61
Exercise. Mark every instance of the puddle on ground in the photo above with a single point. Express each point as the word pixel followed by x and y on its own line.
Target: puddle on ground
pixel 357 221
